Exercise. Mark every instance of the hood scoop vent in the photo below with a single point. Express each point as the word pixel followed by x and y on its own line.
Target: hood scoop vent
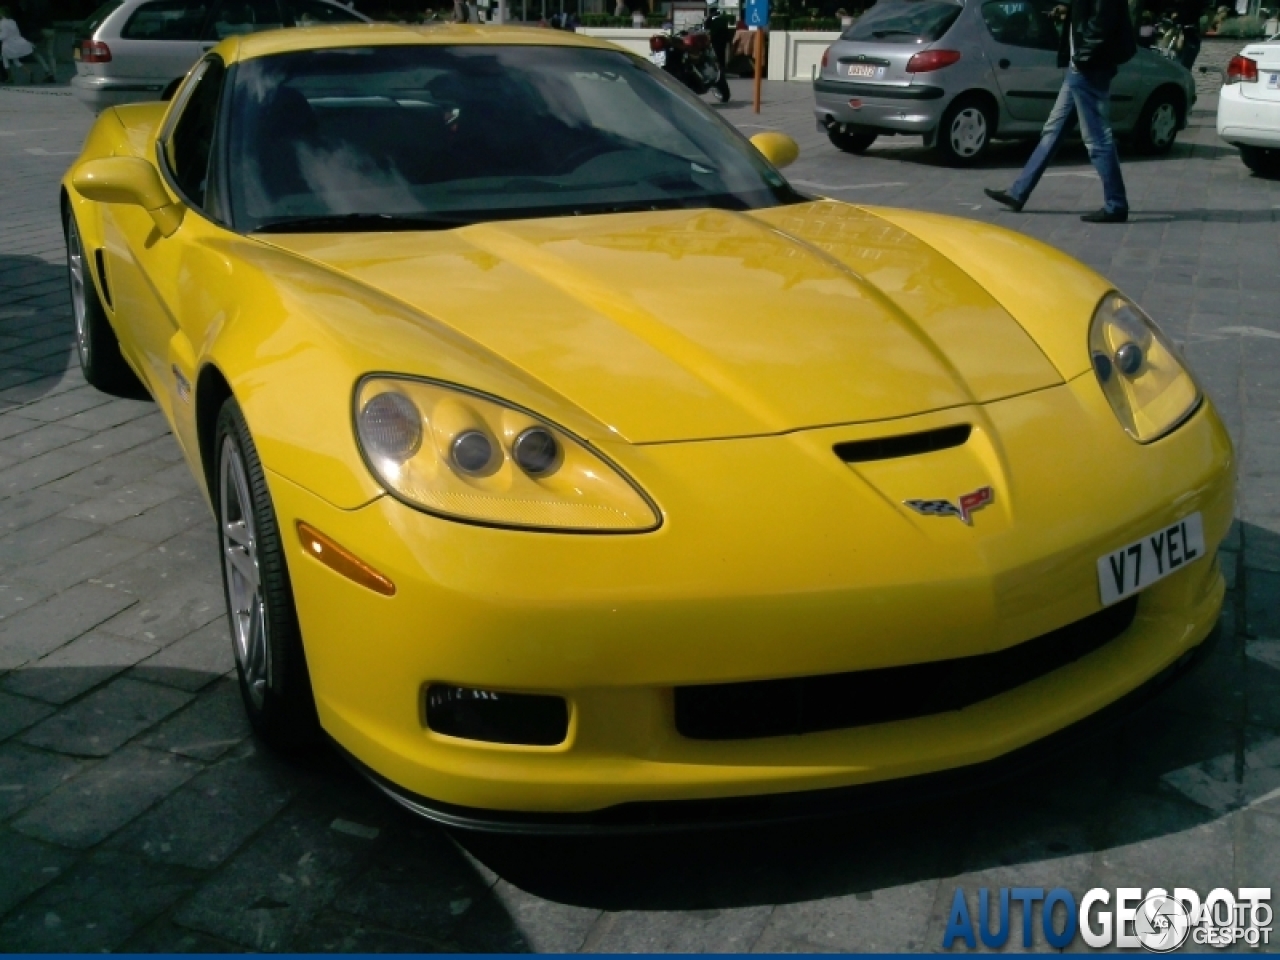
pixel 906 445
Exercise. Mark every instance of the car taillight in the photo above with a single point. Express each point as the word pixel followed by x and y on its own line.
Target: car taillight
pixel 932 60
pixel 1242 69
pixel 657 43
pixel 826 54
pixel 94 51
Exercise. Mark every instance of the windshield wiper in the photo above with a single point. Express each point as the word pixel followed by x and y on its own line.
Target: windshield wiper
pixel 357 223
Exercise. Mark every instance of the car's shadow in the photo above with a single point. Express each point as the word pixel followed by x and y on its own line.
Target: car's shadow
pixel 1206 745
pixel 36 329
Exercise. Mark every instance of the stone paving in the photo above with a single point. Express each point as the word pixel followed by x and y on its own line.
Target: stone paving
pixel 136 813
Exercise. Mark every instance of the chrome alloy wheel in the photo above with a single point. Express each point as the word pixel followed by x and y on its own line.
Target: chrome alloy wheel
pixel 244 580
pixel 968 133
pixel 77 277
pixel 1164 124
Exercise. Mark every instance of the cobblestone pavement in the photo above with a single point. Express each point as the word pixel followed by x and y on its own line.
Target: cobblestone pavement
pixel 136 813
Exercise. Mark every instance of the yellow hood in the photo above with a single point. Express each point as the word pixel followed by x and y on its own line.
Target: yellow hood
pixel 688 325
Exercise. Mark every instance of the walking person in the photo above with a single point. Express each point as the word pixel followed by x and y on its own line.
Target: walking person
pixel 1096 38
pixel 13 46
pixel 36 21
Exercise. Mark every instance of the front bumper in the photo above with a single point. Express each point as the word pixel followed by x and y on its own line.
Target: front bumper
pixel 1246 122
pixel 835 576
pixel 914 109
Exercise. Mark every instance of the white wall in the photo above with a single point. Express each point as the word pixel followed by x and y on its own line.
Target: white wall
pixel 637 41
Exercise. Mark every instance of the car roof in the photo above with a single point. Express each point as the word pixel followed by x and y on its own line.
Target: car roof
pixel 252 45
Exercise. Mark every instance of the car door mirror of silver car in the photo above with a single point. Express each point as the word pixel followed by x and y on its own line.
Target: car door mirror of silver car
pixel 130 180
pixel 778 148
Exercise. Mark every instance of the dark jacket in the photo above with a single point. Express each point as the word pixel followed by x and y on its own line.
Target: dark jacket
pixel 1104 36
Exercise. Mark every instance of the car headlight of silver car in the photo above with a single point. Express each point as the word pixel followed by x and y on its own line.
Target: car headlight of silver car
pixel 1149 388
pixel 471 457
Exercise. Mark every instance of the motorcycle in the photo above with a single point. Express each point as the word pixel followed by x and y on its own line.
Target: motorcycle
pixel 689 56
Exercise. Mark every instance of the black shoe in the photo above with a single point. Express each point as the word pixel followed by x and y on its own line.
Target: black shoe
pixel 1105 216
pixel 999 196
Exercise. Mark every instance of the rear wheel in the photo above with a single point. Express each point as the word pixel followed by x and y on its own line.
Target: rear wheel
pixel 1264 161
pixel 1158 124
pixel 266 639
pixel 101 362
pixel 965 131
pixel 851 139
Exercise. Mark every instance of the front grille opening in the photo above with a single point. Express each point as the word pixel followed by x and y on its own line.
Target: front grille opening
pixel 906 445
pixel 774 708
pixel 517 718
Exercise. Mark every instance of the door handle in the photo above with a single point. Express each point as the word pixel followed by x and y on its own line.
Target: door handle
pixel 1004 64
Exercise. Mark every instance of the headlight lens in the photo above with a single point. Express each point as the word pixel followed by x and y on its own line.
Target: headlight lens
pixel 1139 370
pixel 469 457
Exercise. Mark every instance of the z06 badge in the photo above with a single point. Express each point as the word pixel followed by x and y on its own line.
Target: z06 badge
pixel 962 510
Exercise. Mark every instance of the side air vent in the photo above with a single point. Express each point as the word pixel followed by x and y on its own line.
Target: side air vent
pixel 907 445
pixel 101 263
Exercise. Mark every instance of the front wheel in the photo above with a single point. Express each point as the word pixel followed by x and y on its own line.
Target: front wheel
pixel 266 639
pixel 851 139
pixel 965 131
pixel 1158 123
pixel 101 362
pixel 1264 161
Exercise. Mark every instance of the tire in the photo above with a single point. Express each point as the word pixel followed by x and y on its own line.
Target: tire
pixel 1158 124
pixel 101 362
pixel 851 139
pixel 965 131
pixel 1264 161
pixel 265 637
pixel 171 89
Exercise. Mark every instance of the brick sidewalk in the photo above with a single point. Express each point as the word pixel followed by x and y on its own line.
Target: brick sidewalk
pixel 137 814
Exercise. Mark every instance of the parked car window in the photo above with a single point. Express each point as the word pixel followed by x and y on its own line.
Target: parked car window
pixel 448 135
pixel 191 143
pixel 232 17
pixel 309 13
pixel 91 23
pixel 1020 23
pixel 904 21
pixel 166 20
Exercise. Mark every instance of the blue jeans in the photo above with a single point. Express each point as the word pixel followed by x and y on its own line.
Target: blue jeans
pixel 1087 96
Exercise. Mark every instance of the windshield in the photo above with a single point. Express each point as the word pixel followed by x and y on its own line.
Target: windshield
pixel 433 136
pixel 904 21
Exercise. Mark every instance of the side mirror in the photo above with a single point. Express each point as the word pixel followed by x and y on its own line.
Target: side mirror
pixel 778 148
pixel 129 180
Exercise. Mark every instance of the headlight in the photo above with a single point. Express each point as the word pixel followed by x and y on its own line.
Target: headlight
pixel 469 457
pixel 1139 370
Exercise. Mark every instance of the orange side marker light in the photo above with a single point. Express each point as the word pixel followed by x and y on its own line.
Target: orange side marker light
pixel 342 560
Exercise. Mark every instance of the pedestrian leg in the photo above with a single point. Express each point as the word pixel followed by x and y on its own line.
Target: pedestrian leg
pixel 1060 123
pixel 1092 95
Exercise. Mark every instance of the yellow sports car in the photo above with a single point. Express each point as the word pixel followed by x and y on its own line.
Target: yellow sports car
pixel 572 470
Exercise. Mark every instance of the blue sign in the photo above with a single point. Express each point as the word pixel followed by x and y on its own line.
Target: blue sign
pixel 757 13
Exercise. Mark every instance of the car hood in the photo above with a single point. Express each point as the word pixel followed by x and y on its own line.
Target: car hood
pixel 693 325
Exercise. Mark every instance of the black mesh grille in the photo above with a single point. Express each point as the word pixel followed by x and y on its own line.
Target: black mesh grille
pixel 522 718
pixel 771 708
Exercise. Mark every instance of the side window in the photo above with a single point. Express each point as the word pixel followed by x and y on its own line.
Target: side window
pixel 310 13
pixel 166 20
pixel 191 143
pixel 232 17
pixel 1020 23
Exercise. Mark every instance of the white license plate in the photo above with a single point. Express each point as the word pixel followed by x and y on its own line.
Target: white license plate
pixel 863 70
pixel 1124 572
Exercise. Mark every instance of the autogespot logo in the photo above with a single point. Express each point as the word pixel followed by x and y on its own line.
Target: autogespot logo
pixel 1156 920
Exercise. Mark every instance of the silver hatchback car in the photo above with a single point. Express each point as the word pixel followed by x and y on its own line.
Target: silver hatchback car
pixel 131 50
pixel 963 73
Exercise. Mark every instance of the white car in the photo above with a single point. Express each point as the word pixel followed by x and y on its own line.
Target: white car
pixel 1249 107
pixel 131 50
